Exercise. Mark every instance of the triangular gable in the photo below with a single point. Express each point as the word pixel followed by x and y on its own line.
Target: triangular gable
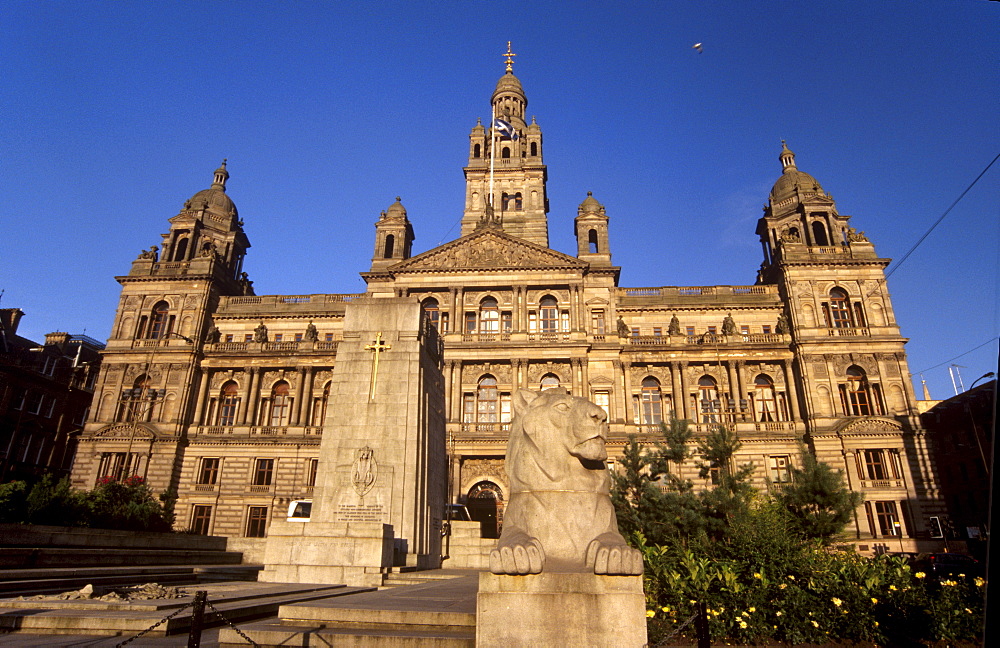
pixel 487 249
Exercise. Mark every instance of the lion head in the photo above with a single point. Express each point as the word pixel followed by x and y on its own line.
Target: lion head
pixel 555 434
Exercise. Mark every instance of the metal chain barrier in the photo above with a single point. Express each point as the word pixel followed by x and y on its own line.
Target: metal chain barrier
pixel 676 630
pixel 238 631
pixel 152 627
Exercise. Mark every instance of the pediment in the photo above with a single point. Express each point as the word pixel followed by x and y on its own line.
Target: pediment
pixel 125 431
pixel 487 249
pixel 870 427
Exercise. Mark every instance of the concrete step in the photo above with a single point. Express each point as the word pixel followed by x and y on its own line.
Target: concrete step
pixel 40 557
pixel 238 603
pixel 24 582
pixel 269 634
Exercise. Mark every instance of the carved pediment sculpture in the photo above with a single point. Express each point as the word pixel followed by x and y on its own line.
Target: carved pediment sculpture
pixel 125 431
pixel 487 250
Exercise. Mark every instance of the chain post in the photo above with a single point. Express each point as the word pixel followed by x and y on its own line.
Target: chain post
pixel 197 619
pixel 701 626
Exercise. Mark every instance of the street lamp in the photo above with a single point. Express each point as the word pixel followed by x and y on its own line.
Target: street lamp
pixel 988 374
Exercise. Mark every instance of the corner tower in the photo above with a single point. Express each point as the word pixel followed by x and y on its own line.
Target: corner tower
pixel 506 164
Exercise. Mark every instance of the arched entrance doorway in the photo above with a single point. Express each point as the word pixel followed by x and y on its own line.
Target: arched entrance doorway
pixel 485 504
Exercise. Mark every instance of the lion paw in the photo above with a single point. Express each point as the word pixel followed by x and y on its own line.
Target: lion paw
pixel 614 559
pixel 521 556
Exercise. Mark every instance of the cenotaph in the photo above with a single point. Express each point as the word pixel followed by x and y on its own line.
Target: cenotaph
pixel 561 575
pixel 379 494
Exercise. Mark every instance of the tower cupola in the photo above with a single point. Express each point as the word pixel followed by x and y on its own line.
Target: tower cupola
pixel 393 237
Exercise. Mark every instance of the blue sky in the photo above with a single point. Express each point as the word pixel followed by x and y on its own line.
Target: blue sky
pixel 114 113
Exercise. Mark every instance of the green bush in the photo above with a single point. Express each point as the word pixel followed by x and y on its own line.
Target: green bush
pixel 13 502
pixel 128 505
pixel 55 503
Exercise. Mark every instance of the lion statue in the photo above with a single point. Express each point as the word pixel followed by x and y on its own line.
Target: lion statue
pixel 560 515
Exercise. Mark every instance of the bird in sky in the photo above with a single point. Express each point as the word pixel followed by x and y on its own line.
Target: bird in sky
pixel 697 46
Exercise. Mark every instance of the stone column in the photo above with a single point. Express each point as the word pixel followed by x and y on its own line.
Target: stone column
pixel 296 414
pixel 627 381
pixel 253 397
pixel 248 379
pixel 684 392
pixel 734 388
pixel 199 410
pixel 793 392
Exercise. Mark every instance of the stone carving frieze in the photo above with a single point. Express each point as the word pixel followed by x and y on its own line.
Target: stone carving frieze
pixel 191 302
pixel 125 431
pixel 537 370
pixel 871 426
pixel 477 470
pixel 133 302
pixel 487 250
pixel 471 373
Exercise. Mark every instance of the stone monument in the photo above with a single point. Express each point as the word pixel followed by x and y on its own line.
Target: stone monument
pixel 561 573
pixel 378 499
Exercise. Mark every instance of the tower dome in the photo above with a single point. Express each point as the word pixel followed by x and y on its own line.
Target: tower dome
pixel 791 178
pixel 590 205
pixel 214 199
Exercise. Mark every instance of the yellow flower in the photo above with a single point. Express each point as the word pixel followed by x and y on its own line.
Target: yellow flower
pixel 920 575
pixel 876 624
pixel 778 613
pixel 979 582
pixel 948 583
pixel 665 608
pixel 837 601
pixel 743 624
pixel 757 575
pixel 791 577
pixel 893 588
pixel 753 609
pixel 783 586
pixel 874 601
pixel 650 613
pixel 815 625
pixel 968 610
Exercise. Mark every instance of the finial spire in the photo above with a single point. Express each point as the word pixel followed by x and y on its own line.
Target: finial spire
pixel 221 175
pixel 510 59
pixel 787 158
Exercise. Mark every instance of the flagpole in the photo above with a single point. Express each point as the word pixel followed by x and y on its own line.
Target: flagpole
pixel 493 141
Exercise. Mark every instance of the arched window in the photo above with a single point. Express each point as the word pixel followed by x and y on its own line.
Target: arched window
pixel 281 405
pixel 160 321
pixel 651 402
pixel 518 201
pixel 431 311
pixel 548 315
pixel 505 153
pixel 229 401
pixel 819 234
pixel 708 396
pixel 489 316
pixel 390 242
pixel 477 151
pixel 839 310
pixel 137 403
pixel 592 241
pixel 180 249
pixel 858 396
pixel 487 404
pixel 534 149
pixel 549 381
pixel 765 404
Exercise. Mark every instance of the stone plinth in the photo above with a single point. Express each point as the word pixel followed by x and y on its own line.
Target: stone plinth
pixel 323 552
pixel 560 609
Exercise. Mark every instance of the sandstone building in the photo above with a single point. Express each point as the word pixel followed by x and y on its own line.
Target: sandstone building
pixel 222 394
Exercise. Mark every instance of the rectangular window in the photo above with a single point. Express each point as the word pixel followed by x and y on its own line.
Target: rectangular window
pixel 278 337
pixel 229 337
pixel 711 330
pixel 469 408
pixel 256 521
pixel 444 323
pixel 506 322
pixel 597 321
pixel 878 465
pixel 263 472
pixel 744 329
pixel 888 521
pixel 657 331
pixel 780 469
pixel 766 329
pixel 248 337
pixel 50 409
pixel 201 519
pixel 298 337
pixel 311 472
pixel 635 331
pixel 328 337
pixel 689 330
pixel 603 400
pixel 209 473
pixel 564 321
pixel 35 401
pixel 470 322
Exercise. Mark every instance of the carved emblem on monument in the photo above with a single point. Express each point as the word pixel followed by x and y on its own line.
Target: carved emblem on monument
pixel 364 471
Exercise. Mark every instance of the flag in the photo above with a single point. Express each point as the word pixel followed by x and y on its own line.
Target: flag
pixel 505 129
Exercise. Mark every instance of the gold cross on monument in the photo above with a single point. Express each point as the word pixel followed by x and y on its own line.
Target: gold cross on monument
pixel 376 347
pixel 510 58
